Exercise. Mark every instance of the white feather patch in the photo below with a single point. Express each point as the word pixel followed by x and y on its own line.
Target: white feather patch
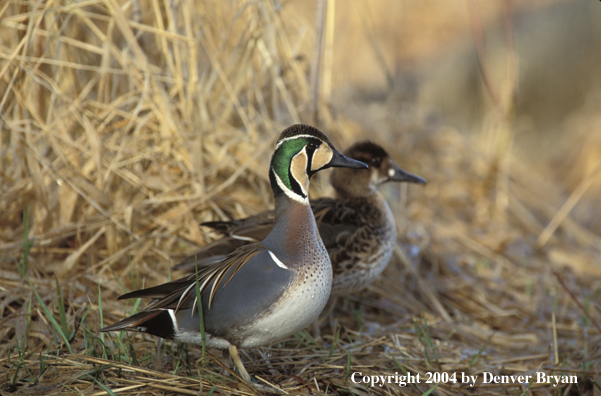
pixel 173 319
pixel 277 260
pixel 243 238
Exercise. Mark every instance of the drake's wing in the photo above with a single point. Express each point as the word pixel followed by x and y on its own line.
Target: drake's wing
pixel 181 294
pixel 210 254
pixel 236 233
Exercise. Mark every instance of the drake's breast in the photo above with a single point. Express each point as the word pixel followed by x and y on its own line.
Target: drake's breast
pixel 297 245
pixel 300 305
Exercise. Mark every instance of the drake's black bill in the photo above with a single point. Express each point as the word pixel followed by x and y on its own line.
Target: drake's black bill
pixel 341 161
pixel 404 176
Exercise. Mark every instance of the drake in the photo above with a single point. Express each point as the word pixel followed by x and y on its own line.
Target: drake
pixel 262 292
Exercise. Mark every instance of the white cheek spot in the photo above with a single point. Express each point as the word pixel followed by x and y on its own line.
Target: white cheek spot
pixel 390 172
pixel 277 260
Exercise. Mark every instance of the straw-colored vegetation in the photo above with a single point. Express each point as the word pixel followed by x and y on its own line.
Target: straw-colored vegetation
pixel 124 124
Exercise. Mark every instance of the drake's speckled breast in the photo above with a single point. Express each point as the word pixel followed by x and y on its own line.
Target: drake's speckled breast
pixel 287 301
pixel 299 247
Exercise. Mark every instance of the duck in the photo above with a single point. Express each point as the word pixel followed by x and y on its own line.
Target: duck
pixel 356 225
pixel 261 292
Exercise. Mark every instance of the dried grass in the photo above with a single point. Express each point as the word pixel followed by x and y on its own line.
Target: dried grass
pixel 125 124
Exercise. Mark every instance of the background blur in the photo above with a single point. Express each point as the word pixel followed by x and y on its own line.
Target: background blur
pixel 124 124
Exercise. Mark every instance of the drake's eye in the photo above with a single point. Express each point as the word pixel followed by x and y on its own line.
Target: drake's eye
pixel 313 146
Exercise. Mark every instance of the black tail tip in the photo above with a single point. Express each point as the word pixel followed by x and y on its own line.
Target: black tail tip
pixel 158 323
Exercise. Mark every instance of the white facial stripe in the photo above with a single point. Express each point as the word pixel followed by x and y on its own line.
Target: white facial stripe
pixel 294 137
pixel 289 192
pixel 277 260
pixel 391 172
pixel 174 320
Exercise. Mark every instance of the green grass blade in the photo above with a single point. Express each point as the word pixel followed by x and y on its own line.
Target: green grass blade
pixel 528 387
pixel 28 324
pixel 43 365
pixel 477 356
pixel 119 281
pixel 61 310
pixel 23 263
pixel 426 393
pixel 101 318
pixel 200 316
pixel 305 338
pixel 418 332
pixel 399 364
pixel 334 343
pixel 103 386
pixel 49 316
pixel 348 365
pixel 428 339
pixel 132 355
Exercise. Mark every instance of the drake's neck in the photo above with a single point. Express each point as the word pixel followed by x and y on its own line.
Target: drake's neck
pixel 294 228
